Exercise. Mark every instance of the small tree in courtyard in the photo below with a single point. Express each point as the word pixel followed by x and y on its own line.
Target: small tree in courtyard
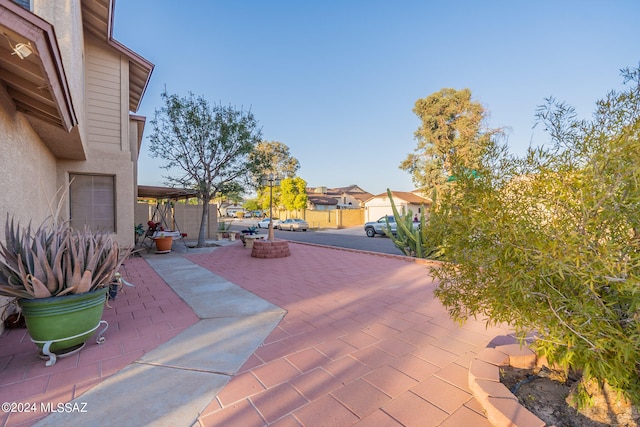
pixel 206 147
pixel 550 243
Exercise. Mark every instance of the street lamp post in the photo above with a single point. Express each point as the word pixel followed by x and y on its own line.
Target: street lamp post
pixel 272 180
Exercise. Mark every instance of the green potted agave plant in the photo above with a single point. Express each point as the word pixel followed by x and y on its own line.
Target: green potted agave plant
pixel 60 278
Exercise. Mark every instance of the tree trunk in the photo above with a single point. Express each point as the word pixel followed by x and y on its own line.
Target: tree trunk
pixel 203 224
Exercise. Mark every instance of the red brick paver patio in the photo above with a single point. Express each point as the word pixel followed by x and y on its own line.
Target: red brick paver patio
pixel 364 342
pixel 140 319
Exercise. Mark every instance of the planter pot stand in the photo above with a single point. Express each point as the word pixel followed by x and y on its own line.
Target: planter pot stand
pixel 61 325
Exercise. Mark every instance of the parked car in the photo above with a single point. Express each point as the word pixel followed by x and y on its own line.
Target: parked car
pixel 377 227
pixel 264 223
pixel 294 224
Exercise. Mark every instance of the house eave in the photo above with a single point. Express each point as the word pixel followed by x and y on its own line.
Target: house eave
pixel 37 84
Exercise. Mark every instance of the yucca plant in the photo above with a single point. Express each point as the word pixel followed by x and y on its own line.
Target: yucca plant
pixel 56 260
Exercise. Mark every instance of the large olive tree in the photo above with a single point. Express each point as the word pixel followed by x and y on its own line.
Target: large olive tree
pixel 551 242
pixel 452 133
pixel 206 147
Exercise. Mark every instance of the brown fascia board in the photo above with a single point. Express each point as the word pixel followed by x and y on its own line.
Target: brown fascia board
pixel 138 61
pixel 145 68
pixel 42 35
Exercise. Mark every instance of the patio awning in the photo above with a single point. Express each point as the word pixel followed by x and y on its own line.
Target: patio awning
pixel 151 192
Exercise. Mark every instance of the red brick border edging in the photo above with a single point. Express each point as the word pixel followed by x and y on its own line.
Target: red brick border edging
pixel 500 405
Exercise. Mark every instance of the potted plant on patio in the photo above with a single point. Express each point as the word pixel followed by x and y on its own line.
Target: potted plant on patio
pixel 223 230
pixel 59 277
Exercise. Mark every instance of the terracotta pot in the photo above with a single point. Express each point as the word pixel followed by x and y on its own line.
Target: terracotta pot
pixel 163 244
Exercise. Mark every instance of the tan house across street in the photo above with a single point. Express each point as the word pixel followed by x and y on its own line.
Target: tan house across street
pixel 323 198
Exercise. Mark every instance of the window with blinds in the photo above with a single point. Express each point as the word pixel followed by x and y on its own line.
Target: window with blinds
pixel 92 202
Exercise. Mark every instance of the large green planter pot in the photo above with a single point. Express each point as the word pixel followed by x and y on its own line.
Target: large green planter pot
pixel 57 324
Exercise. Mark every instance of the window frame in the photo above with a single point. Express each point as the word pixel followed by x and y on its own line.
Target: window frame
pixel 84 204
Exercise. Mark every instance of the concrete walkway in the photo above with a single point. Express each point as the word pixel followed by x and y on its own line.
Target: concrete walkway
pixel 170 385
pixel 362 342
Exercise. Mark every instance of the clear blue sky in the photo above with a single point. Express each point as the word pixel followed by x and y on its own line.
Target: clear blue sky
pixel 336 80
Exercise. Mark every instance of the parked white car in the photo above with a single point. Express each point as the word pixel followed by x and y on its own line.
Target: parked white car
pixel 264 223
pixel 294 224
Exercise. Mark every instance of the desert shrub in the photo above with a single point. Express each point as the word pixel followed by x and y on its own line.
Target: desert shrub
pixel 550 242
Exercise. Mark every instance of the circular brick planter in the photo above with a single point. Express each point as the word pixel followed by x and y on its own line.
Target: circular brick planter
pixel 267 249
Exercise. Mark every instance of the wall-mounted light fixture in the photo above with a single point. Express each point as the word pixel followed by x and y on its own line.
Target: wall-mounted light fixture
pixel 22 50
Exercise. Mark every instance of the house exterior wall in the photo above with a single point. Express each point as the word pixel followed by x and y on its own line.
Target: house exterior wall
pixel 108 134
pixel 66 18
pixel 104 75
pixel 97 77
pixel 29 168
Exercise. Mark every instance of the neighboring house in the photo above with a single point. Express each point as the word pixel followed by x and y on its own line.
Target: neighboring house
pixel 323 198
pixel 67 94
pixel 231 209
pixel 378 206
pixel 319 202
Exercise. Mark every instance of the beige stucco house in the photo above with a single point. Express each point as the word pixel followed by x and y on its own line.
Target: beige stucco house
pixel 68 92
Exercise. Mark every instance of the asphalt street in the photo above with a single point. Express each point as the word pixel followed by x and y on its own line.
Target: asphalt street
pixel 352 237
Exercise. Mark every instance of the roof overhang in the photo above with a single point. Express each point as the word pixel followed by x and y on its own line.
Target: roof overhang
pixel 97 18
pixel 36 83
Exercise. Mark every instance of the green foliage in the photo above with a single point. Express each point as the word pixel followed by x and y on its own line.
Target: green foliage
pixel 264 194
pixel 451 135
pixel 276 159
pixel 293 193
pixel 420 241
pixel 251 205
pixel 550 243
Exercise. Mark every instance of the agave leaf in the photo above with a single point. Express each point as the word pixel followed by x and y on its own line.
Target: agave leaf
pixel 93 255
pixel 41 264
pixel 11 291
pixel 56 273
pixel 67 261
pixel 67 291
pixel 107 268
pixel 23 277
pixel 49 264
pixel 39 289
pixel 77 259
pixel 85 283
pixel 95 252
